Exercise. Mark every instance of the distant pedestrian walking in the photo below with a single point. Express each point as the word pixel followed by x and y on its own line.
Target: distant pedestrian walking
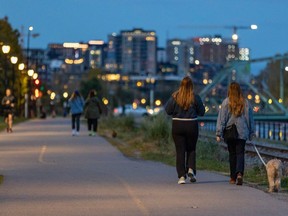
pixel 8 103
pixel 235 109
pixel 92 111
pixel 184 106
pixel 76 104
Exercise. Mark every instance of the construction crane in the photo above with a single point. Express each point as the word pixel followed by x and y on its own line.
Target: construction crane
pixel 233 27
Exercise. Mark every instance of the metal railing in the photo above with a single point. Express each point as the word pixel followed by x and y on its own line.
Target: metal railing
pixel 272 130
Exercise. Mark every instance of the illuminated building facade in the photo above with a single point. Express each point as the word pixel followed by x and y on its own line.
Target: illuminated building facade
pixel 180 53
pixel 203 50
pixel 97 54
pixel 132 52
pixel 215 50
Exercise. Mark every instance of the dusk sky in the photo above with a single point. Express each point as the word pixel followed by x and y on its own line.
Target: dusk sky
pixel 59 21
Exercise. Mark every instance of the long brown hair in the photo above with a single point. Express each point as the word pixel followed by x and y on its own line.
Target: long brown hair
pixel 184 96
pixel 236 99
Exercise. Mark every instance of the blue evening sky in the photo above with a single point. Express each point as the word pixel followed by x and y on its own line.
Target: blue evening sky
pixel 60 21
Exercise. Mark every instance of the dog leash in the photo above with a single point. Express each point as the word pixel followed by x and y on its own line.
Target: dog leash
pixel 259 154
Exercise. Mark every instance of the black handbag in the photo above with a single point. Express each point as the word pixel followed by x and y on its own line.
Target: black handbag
pixel 230 133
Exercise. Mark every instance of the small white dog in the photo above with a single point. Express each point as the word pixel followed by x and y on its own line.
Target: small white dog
pixel 274 174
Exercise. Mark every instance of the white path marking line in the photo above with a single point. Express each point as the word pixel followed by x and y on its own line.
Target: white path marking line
pixel 135 199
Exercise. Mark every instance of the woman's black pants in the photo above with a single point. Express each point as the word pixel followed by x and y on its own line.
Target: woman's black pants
pixel 236 149
pixel 76 121
pixel 185 136
pixel 92 123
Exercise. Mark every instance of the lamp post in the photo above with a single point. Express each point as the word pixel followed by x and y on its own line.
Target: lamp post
pixel 30 73
pixel 5 50
pixel 14 61
pixel 30 29
pixel 151 81
pixel 21 67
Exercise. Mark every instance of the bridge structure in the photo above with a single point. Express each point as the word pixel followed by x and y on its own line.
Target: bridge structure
pixel 261 98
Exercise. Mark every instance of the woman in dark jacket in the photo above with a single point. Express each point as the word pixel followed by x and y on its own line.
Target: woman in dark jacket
pixel 93 111
pixel 235 109
pixel 184 106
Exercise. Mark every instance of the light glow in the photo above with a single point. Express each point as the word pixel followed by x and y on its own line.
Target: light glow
pixel 234 37
pixel 14 59
pixel 30 72
pixel 6 49
pixel 254 27
pixel 21 66
pixel 96 42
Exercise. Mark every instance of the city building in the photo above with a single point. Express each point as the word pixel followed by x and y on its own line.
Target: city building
pixel 113 59
pixel 132 52
pixel 97 54
pixel 216 50
pixel 180 53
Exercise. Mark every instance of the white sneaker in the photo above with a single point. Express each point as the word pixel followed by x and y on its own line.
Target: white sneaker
pixel 191 175
pixel 181 180
pixel 77 133
pixel 73 132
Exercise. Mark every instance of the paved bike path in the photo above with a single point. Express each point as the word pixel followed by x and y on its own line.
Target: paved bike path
pixel 49 172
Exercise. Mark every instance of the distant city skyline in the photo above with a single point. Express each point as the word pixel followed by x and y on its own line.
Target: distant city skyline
pixel 84 20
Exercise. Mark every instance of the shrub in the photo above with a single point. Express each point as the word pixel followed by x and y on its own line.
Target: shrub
pixel 158 130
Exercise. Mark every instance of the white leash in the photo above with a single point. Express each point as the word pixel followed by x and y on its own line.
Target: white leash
pixel 259 154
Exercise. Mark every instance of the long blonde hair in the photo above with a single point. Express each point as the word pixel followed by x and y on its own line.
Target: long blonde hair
pixel 236 99
pixel 184 96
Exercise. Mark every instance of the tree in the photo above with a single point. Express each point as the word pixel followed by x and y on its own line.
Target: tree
pixel 10 36
pixel 92 81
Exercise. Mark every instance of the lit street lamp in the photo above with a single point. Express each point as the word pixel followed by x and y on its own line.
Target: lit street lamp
pixel 6 50
pixel 30 73
pixel 14 61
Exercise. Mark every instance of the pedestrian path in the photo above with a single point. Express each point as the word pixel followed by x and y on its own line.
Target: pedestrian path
pixel 48 172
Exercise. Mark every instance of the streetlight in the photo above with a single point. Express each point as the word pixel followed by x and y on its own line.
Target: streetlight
pixel 21 66
pixel 151 81
pixel 28 45
pixel 30 73
pixel 14 61
pixel 5 50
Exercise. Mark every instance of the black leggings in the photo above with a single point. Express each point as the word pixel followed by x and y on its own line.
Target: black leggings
pixel 92 123
pixel 185 136
pixel 76 120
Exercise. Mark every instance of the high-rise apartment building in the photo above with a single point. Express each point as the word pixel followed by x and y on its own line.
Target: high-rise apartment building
pixel 97 53
pixel 202 50
pixel 132 52
pixel 215 50
pixel 113 58
pixel 180 53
